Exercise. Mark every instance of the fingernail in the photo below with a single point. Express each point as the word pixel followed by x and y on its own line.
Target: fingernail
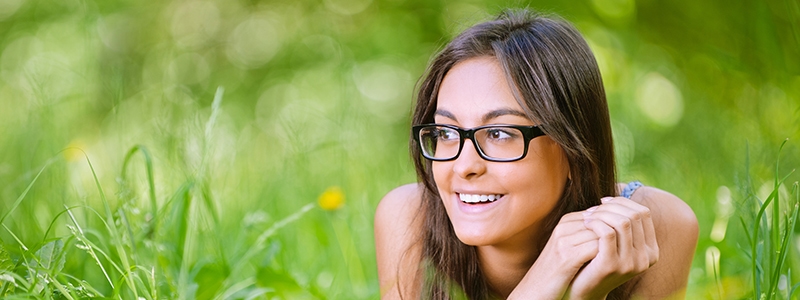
pixel 606 199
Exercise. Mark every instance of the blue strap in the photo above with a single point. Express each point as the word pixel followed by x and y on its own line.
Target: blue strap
pixel 627 192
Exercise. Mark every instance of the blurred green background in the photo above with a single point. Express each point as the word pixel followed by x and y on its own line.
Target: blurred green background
pixel 315 96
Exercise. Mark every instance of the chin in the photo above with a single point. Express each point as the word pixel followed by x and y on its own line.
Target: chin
pixel 473 238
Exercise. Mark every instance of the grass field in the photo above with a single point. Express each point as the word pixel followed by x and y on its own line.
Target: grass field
pixel 232 150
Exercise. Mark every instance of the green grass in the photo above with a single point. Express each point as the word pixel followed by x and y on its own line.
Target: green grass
pixel 769 238
pixel 175 248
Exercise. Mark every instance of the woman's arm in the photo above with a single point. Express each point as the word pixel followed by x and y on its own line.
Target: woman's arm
pixel 398 224
pixel 569 248
pixel 649 239
pixel 676 230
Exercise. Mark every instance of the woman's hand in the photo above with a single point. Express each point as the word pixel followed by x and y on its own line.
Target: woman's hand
pixel 626 247
pixel 570 246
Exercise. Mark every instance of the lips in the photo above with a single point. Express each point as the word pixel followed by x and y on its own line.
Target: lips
pixel 479 198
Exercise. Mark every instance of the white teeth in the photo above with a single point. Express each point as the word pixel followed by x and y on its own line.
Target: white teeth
pixel 468 198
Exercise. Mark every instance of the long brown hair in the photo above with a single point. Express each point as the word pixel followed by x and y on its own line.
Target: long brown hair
pixel 555 78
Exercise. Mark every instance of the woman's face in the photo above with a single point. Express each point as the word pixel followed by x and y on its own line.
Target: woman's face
pixel 475 93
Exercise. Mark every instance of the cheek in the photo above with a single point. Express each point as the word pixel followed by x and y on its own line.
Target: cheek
pixel 551 158
pixel 440 172
pixel 544 171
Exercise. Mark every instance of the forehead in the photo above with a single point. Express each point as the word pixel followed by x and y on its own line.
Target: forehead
pixel 475 87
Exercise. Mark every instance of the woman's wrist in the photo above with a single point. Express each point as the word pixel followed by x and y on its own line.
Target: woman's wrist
pixel 543 282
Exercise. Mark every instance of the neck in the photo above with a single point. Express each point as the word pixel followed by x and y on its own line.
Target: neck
pixel 504 265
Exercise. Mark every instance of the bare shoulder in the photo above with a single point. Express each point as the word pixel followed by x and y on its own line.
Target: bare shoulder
pixel 398 223
pixel 398 213
pixel 405 198
pixel 676 230
pixel 670 214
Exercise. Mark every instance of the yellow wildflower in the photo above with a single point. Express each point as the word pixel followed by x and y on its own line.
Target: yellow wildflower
pixel 331 199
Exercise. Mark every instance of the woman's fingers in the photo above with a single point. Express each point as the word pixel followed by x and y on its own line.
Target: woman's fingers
pixel 648 230
pixel 650 240
pixel 635 233
pixel 626 221
pixel 607 236
pixel 626 244
pixel 571 244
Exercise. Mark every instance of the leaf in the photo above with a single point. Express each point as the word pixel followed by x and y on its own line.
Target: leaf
pixel 50 256
pixel 210 278
pixel 283 283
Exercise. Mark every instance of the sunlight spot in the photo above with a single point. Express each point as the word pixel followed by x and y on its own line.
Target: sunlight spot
pixel 782 283
pixel 117 31
pixel 712 262
pixel 724 202
pixel 660 100
pixel 387 86
pixel 253 43
pixel 324 279
pixel 723 212
pixel 379 81
pixel 195 23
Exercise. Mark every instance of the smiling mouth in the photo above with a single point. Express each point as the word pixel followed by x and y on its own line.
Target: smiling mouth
pixel 477 199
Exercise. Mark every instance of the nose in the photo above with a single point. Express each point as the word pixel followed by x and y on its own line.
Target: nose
pixel 469 164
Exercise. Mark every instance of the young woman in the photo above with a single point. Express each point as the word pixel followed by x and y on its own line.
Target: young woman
pixel 517 197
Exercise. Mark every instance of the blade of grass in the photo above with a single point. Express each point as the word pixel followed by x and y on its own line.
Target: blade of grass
pixel 112 228
pixel 89 248
pixel 241 285
pixel 148 164
pixel 16 238
pixel 754 245
pixel 87 286
pixel 776 210
pixel 259 243
pixel 782 253
pixel 27 189
pixel 61 289
pixel 215 109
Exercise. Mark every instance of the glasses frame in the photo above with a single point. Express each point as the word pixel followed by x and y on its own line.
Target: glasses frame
pixel 528 133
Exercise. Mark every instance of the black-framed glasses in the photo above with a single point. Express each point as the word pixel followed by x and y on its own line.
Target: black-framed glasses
pixel 502 143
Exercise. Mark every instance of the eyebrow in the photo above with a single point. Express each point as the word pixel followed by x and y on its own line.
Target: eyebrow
pixel 486 117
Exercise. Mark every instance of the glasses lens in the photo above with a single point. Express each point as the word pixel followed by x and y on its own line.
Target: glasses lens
pixel 501 142
pixel 439 142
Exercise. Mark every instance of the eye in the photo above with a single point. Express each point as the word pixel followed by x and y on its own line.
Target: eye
pixel 499 134
pixel 447 134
